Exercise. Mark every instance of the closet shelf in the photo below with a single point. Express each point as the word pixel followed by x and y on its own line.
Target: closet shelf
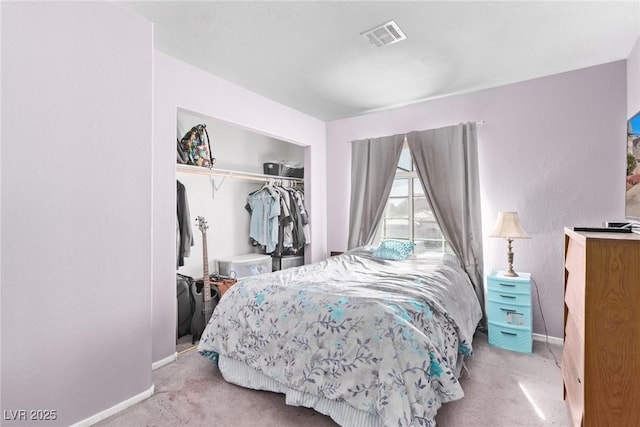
pixel 234 174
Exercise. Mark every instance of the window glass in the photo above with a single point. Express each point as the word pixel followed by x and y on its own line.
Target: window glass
pixel 417 188
pixel 426 229
pixel 408 215
pixel 405 164
pixel 421 208
pixel 400 188
pixel 397 208
pixel 396 228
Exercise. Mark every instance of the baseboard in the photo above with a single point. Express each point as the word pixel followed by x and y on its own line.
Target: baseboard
pixel 116 408
pixel 165 361
pixel 552 340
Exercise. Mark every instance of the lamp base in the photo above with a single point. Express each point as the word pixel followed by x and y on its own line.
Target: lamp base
pixel 510 273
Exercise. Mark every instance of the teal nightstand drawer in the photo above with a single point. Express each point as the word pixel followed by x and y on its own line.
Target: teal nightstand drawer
pixel 509 314
pixel 503 297
pixel 515 285
pixel 510 338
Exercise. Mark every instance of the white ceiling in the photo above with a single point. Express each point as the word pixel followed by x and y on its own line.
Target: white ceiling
pixel 310 56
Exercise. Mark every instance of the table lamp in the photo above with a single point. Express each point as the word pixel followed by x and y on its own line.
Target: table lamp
pixel 508 226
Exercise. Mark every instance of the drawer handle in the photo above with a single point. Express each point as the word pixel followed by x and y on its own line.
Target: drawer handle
pixel 508 310
pixel 511 285
pixel 508 333
pixel 508 296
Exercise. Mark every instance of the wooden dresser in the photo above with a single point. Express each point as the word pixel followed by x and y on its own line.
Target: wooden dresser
pixel 601 356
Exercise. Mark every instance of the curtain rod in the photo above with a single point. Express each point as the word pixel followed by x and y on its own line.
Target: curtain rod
pixel 477 123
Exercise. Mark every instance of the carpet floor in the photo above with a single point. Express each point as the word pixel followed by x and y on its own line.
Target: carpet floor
pixel 502 388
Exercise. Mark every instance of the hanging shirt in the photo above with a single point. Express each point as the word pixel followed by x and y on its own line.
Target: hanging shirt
pixel 304 216
pixel 286 223
pixel 265 208
pixel 184 235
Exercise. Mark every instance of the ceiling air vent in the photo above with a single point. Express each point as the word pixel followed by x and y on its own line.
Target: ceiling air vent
pixel 385 34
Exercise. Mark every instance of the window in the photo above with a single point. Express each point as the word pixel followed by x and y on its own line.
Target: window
pixel 407 215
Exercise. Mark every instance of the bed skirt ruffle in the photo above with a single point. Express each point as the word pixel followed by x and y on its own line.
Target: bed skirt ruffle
pixel 238 373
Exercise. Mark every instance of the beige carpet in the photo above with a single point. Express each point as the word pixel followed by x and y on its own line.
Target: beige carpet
pixel 502 388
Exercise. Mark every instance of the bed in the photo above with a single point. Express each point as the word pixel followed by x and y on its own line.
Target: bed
pixel 367 341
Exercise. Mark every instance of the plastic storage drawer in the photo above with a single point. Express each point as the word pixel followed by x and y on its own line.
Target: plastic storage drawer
pixel 515 338
pixel 244 265
pixel 519 285
pixel 509 314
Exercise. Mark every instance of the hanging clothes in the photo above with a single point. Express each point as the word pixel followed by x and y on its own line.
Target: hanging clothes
pixel 264 206
pixel 279 220
pixel 304 217
pixel 184 235
pixel 285 237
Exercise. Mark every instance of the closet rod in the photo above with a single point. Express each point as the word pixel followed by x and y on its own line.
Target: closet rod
pixel 234 174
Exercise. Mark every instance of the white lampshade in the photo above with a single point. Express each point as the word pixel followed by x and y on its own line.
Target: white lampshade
pixel 508 226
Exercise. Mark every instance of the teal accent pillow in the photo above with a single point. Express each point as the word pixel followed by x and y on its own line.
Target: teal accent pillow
pixel 395 250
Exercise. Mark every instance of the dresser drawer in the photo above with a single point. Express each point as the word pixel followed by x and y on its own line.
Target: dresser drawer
pixel 573 387
pixel 509 314
pixel 574 296
pixel 574 261
pixel 574 339
pixel 510 338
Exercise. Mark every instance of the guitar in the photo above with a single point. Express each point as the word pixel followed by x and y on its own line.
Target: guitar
pixel 204 303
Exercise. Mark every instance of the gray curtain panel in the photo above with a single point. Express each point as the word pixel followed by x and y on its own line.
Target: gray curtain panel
pixel 373 168
pixel 446 161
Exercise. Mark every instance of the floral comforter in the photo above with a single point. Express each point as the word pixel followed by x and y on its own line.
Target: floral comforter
pixel 382 336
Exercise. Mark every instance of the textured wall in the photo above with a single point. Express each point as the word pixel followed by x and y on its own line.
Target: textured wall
pixel 76 208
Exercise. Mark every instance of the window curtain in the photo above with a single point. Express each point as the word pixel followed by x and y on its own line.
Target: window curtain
pixel 373 168
pixel 446 161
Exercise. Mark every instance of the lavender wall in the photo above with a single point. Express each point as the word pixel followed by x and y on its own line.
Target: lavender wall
pixel 179 85
pixel 551 149
pixel 76 208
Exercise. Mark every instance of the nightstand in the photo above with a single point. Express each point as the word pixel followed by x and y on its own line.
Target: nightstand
pixel 509 311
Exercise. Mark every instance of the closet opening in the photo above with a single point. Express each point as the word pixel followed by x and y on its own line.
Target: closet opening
pixel 222 198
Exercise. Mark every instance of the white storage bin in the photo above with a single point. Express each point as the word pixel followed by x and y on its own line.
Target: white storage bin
pixel 244 265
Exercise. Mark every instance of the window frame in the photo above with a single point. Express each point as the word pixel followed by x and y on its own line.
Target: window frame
pixel 410 176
